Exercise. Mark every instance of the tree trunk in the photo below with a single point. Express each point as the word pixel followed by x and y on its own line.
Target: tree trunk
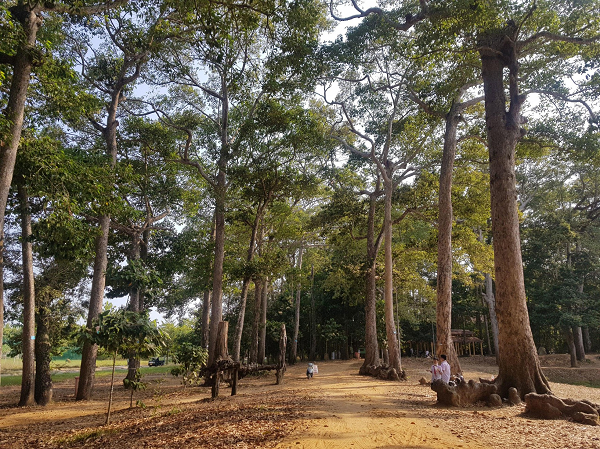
pixel 89 351
pixel 43 380
pixel 28 338
pixel 390 325
pixel 294 349
pixel 579 348
pixel 239 328
pixel 14 113
pixel 281 358
pixel 490 300
pixel 373 244
pixel 216 312
pixel 256 320
pixel 313 317
pixel 133 362
pixel 205 318
pixel 518 362
pixel 112 385
pixel 571 345
pixel 262 339
pixel 587 341
pixel 445 344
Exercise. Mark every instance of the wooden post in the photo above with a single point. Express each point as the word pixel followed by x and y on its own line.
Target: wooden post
pixel 281 362
pixel 215 386
pixel 234 382
pixel 481 343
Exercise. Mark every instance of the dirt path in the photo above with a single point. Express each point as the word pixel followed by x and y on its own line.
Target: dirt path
pixel 336 409
pixel 352 411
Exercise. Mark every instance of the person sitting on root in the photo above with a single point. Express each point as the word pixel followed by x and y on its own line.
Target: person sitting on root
pixel 309 370
pixel 436 370
pixel 445 368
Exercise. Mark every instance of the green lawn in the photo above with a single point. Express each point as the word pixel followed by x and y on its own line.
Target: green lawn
pixel 8 379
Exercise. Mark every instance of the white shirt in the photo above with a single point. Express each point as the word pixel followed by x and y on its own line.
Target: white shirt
pixel 436 372
pixel 445 366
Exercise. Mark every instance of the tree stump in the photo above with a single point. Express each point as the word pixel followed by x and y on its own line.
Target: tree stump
pixel 465 393
pixel 547 406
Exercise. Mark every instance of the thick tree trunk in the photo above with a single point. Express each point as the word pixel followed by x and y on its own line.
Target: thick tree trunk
pixel 579 348
pixel 217 290
pixel 390 325
pixel 262 340
pixel 256 321
pixel 294 348
pixel 571 346
pixel 43 380
pixel 28 342
pixel 89 351
pixel 518 362
pixel 373 244
pixel 444 270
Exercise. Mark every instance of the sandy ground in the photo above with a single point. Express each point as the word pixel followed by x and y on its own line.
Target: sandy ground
pixel 336 409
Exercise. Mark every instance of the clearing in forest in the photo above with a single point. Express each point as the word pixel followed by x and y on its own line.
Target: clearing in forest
pixel 336 409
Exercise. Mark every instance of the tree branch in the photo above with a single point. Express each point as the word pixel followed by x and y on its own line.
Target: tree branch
pixel 410 20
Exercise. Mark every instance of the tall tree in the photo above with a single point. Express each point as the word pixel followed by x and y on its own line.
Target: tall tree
pixel 22 54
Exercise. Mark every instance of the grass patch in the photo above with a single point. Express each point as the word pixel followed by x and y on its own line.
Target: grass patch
pixel 88 435
pixel 11 380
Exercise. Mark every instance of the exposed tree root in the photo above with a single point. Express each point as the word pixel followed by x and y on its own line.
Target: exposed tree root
pixel 382 372
pixel 464 393
pixel 547 406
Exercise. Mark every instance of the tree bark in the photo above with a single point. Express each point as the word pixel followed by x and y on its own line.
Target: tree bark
pixel 205 318
pixel 571 345
pixel 262 340
pixel 256 320
pixel 133 362
pixel 579 348
pixel 390 325
pixel 89 351
pixel 518 362
pixel 216 312
pixel 373 245
pixel 490 300
pixel 444 343
pixel 14 112
pixel 28 337
pixel 239 328
pixel 587 341
pixel 294 348
pixel 43 380
pixel 313 317
pixel 281 358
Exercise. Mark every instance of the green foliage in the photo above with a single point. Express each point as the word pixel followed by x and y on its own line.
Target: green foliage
pixel 188 353
pixel 124 332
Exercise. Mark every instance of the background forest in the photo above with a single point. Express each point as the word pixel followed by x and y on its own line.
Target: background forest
pixel 212 160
